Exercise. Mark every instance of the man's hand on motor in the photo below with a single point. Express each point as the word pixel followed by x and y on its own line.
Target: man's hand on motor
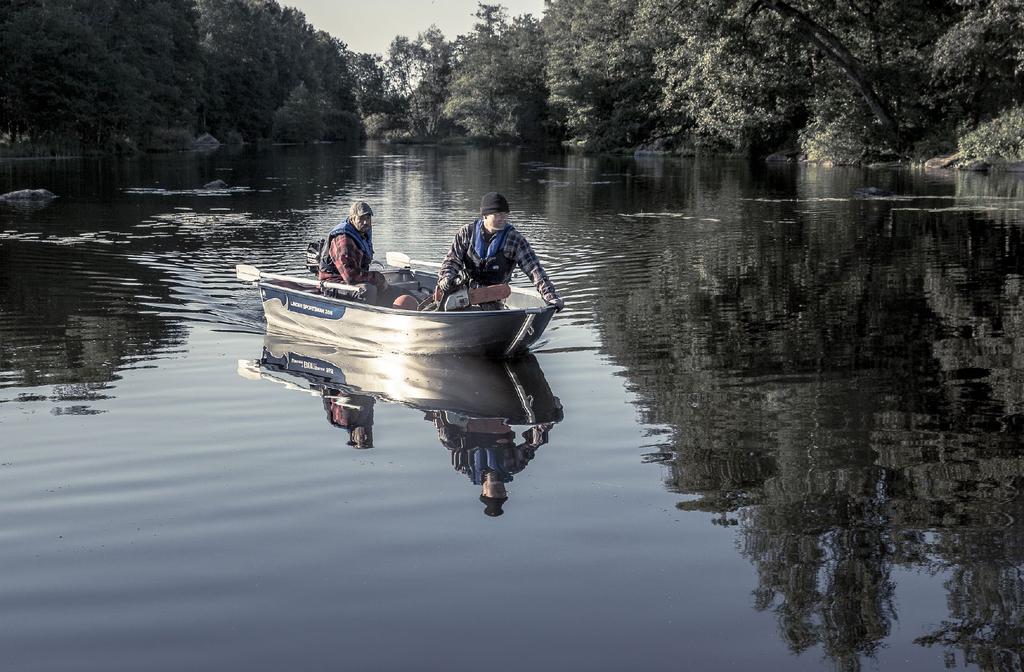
pixel 558 303
pixel 443 285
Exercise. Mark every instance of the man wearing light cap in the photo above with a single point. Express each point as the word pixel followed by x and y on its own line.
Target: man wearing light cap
pixel 352 412
pixel 489 249
pixel 347 256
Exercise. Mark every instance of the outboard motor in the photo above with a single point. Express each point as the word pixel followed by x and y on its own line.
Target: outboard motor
pixel 463 297
pixel 457 299
pixel 313 252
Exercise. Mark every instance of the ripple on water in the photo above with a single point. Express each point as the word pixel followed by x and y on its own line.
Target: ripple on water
pixel 748 359
pixel 157 191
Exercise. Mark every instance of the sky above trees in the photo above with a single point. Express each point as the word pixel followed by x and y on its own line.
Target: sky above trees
pixel 370 26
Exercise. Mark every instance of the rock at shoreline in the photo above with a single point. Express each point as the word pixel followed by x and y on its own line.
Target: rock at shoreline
pixel 977 166
pixel 205 141
pixel 657 147
pixel 940 162
pixel 29 195
pixel 216 184
pixel 882 165
pixel 989 163
pixel 783 156
pixel 872 192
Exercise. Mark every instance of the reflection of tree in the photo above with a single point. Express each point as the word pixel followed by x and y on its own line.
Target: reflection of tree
pixel 76 314
pixel 986 605
pixel 823 564
pixel 840 381
pixel 75 322
pixel 968 492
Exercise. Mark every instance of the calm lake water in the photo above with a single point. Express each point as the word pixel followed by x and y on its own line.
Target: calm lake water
pixel 777 427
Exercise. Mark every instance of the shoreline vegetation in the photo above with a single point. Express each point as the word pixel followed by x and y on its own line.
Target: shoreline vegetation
pixel 883 84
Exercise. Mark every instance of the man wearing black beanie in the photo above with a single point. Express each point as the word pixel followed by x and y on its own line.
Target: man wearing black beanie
pixel 490 248
pixel 493 202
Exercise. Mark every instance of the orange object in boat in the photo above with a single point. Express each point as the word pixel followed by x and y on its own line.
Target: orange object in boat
pixel 406 302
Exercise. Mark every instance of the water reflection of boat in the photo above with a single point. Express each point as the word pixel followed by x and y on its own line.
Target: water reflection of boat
pixel 473 403
pixel 513 390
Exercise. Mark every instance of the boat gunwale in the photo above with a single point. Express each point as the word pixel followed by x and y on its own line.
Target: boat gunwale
pixel 401 311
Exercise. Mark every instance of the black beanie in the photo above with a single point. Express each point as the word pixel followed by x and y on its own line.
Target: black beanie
pixel 492 505
pixel 493 202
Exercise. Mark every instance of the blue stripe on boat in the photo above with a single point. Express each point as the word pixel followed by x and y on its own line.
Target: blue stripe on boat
pixel 305 305
pixel 315 367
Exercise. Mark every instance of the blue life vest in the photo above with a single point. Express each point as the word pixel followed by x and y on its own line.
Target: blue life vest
pixel 478 457
pixel 327 264
pixel 488 266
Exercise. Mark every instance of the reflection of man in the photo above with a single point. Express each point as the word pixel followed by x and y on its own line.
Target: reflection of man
pixel 486 451
pixel 353 412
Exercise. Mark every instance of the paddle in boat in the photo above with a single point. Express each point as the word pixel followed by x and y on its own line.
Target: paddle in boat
pixel 326 312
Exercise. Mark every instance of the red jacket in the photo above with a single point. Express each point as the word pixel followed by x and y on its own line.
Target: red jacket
pixel 352 263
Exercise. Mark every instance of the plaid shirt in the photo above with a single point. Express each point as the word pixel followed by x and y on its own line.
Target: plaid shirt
pixel 514 247
pixel 352 263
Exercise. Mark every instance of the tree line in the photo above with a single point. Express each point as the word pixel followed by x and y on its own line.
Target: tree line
pixel 120 75
pixel 839 80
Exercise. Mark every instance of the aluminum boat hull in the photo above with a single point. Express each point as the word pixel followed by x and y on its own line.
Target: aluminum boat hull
pixel 498 334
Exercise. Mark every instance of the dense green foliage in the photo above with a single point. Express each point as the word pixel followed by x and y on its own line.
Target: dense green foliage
pixel 421 71
pixel 498 88
pixel 97 72
pixel 844 81
pixel 1003 136
pixel 601 72
pixel 260 57
pixel 122 74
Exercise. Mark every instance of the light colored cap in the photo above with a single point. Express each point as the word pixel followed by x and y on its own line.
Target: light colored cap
pixel 360 208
